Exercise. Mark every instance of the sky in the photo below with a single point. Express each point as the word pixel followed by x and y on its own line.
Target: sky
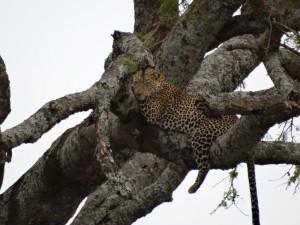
pixel 58 47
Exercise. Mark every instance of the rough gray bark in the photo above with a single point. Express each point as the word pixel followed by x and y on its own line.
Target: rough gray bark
pixel 30 130
pixel 145 15
pixel 287 11
pixel 238 57
pixel 184 47
pixel 5 153
pixel 291 63
pixel 282 153
pixel 252 128
pixel 239 25
pixel 245 103
pixel 152 161
pixel 153 21
pixel 146 191
pixel 54 178
pixel 4 92
pixel 282 81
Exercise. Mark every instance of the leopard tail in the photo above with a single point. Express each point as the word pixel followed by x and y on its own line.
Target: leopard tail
pixel 253 192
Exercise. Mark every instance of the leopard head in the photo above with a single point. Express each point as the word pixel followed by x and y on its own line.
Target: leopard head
pixel 146 83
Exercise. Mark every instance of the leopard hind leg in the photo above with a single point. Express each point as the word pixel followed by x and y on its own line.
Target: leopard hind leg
pixel 200 149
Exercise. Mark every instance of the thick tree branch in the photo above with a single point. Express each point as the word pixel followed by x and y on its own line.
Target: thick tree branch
pixel 5 152
pixel 182 50
pixel 250 129
pixel 47 116
pixel 147 189
pixel 293 19
pixel 153 20
pixel 244 135
pixel 282 81
pixel 226 68
pixel 262 102
pixel 288 12
pixel 247 23
pixel 110 85
pixel 291 63
pixel 145 15
pixel 4 92
pixel 239 25
pixel 51 190
pixel 277 153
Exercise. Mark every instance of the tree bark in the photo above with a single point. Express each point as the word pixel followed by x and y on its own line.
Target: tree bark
pixel 4 92
pixel 184 47
pixel 5 152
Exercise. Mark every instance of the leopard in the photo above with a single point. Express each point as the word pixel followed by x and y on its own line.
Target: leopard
pixel 163 104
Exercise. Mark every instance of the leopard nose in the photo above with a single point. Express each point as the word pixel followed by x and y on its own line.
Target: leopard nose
pixel 140 97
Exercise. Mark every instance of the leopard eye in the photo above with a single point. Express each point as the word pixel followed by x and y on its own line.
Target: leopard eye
pixel 156 75
pixel 147 81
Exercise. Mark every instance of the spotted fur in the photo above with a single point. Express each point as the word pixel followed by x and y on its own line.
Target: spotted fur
pixel 163 104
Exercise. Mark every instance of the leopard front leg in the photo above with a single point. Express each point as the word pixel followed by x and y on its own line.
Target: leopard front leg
pixel 200 149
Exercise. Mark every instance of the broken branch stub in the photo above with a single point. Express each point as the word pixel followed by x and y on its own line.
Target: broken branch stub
pixel 127 57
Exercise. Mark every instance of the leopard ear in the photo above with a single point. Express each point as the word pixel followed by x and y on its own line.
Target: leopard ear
pixel 138 76
pixel 148 71
pixel 154 73
pixel 157 74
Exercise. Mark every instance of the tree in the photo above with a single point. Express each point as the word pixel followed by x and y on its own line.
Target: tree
pixel 153 162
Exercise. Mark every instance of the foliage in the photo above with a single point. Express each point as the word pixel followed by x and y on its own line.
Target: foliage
pixel 130 64
pixel 169 6
pixel 289 131
pixel 231 195
pixel 147 38
pixel 169 10
pixel 294 177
